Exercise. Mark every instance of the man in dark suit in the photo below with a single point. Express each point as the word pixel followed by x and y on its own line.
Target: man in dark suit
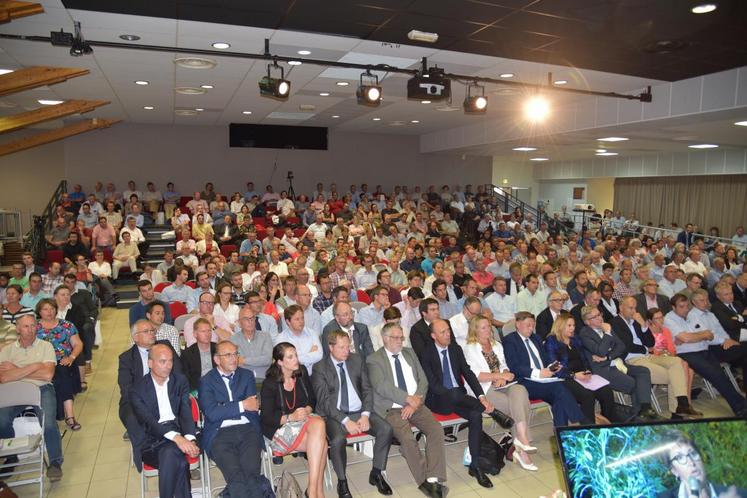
pixel 729 312
pixel 447 370
pixel 194 358
pixel 420 333
pixel 360 340
pixel 605 353
pixel 232 435
pixel 133 365
pixel 649 294
pixel 548 315
pixel 740 289
pixel 160 402
pixel 527 359
pixel 592 297
pixel 345 399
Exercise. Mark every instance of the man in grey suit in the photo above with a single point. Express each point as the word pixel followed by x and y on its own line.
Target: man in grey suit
pixel 344 399
pixel 605 352
pixel 650 298
pixel 399 387
pixel 360 341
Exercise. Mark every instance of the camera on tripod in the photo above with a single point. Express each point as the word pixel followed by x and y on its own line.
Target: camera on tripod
pixel 289 176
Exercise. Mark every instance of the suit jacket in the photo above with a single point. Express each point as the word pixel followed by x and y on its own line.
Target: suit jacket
pixel 273 406
pixel 84 299
pixel 739 295
pixel 145 407
pixel 621 330
pixel 420 336
pixel 662 302
pixel 217 407
pixel 728 319
pixel 191 365
pixel 608 346
pixel 78 317
pixel 131 370
pixel 430 360
pixel 517 356
pixel 361 338
pixel 326 383
pixel 381 375
pixel 544 323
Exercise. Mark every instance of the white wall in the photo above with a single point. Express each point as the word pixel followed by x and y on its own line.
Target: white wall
pixel 191 155
pixel 559 193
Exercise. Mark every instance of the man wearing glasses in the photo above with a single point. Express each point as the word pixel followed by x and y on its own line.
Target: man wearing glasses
pixel 684 461
pixel 221 329
pixel 232 437
pixel 650 298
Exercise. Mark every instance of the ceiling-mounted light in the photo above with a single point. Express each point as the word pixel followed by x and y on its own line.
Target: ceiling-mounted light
pixel 475 102
pixel 524 149
pixel 369 91
pixel 414 121
pixel 274 88
pixel 741 123
pixel 342 83
pixel 49 102
pixel 246 112
pixel 506 75
pixel 129 37
pixel 142 82
pixel 539 159
pixel 606 154
pixel 221 45
pixel 560 82
pixel 536 109
pixel 303 52
pixel 5 71
pixel 335 116
pixel 704 8
pixel 148 107
pixel 703 146
pixel 207 87
pixel 423 36
pixel 375 119
pixel 294 63
pixel 324 94
pixel 612 139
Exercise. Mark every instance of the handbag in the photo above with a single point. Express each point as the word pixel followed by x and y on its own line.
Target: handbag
pixel 288 487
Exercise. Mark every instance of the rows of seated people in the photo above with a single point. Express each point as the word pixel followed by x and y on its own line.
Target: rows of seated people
pixel 376 321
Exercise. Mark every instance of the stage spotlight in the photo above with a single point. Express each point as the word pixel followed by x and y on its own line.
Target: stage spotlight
pixel 274 88
pixel 369 90
pixel 475 102
pixel 536 109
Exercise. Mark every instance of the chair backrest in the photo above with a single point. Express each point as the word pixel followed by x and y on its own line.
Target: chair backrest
pixel 363 296
pixel 161 286
pixel 19 393
pixel 227 249
pixel 177 309
pixel 358 305
pixel 180 321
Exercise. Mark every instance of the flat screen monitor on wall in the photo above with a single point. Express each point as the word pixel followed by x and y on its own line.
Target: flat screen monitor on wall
pixel 278 137
pixel 670 459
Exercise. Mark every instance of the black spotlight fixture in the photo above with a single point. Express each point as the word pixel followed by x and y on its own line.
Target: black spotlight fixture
pixel 475 102
pixel 369 90
pixel 274 88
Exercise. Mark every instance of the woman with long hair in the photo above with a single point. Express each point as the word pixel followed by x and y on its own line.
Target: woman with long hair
pixel 287 416
pixel 224 308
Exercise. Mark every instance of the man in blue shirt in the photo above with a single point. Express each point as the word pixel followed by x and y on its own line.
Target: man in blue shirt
pixel 147 296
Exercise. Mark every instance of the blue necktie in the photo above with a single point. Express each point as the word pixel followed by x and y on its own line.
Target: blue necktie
pixel 344 403
pixel 230 378
pixel 446 370
pixel 400 374
pixel 257 325
pixel 536 361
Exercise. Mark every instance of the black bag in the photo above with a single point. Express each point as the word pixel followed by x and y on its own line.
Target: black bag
pixel 492 454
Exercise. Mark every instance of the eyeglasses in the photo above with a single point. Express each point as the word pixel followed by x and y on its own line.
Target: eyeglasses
pixel 681 459
pixel 229 355
pixel 396 337
pixel 207 302
pixel 148 331
pixel 592 317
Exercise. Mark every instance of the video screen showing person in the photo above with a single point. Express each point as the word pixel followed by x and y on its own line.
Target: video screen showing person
pixel 676 459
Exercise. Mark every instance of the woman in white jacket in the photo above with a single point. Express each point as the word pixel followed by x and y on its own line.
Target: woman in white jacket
pixel 485 357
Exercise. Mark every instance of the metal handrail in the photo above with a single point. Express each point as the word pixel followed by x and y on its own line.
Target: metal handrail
pixel 34 239
pixel 606 222
pixel 510 201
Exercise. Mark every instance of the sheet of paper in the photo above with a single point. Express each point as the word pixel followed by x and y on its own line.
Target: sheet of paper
pixel 546 380
pixel 594 383
pixel 506 386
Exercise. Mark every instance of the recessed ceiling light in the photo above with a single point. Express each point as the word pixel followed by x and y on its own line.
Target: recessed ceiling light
pixel 425 101
pixel 294 63
pixel 199 109
pixel 221 45
pixel 189 90
pixel 376 119
pixel 303 52
pixel 342 83
pixel 612 139
pixel 195 62
pixel 524 149
pixel 129 37
pixel 606 153
pixel 324 94
pixel 49 102
pixel 148 107
pixel 185 112
pixel 599 151
pixel 246 112
pixel 703 146
pixel 703 8
pixel 142 82
pixel 414 121
pixel 448 108
pixel 5 71
pixel 335 116
pixel 207 87
pixel 741 123
pixel 507 75
pixel 560 82
pixel 540 159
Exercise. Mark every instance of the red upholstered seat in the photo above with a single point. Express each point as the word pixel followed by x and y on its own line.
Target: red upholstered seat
pixel 177 309
pixel 161 286
pixel 363 296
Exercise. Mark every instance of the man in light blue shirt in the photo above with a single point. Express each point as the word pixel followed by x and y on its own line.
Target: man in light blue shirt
pixel 32 297
pixel 178 291
pixel 307 343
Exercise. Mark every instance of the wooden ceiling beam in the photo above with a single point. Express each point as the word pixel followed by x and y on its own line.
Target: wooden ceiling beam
pixel 54 135
pixel 36 76
pixel 12 9
pixel 48 113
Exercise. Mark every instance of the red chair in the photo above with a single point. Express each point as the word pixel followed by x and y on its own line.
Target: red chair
pixel 227 249
pixel 363 296
pixel 161 286
pixel 190 283
pixel 294 220
pixel 108 256
pixel 177 309
pixel 298 232
pixel 54 256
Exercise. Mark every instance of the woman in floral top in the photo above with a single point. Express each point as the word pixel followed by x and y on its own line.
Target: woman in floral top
pixel 67 347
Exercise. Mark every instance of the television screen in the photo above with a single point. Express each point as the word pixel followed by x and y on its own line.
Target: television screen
pixel 673 459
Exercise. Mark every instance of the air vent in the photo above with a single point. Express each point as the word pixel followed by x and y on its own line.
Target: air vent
pixel 185 112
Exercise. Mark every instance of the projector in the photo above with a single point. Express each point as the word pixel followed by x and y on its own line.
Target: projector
pixel 583 207
pixel 431 85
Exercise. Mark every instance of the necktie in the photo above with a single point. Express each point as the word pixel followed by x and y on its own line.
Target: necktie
pixel 446 370
pixel 731 307
pixel 344 403
pixel 535 361
pixel 400 374
pixel 257 325
pixel 230 379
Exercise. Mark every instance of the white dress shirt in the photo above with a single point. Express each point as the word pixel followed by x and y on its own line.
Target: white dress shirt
pixel 412 385
pixel 235 421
